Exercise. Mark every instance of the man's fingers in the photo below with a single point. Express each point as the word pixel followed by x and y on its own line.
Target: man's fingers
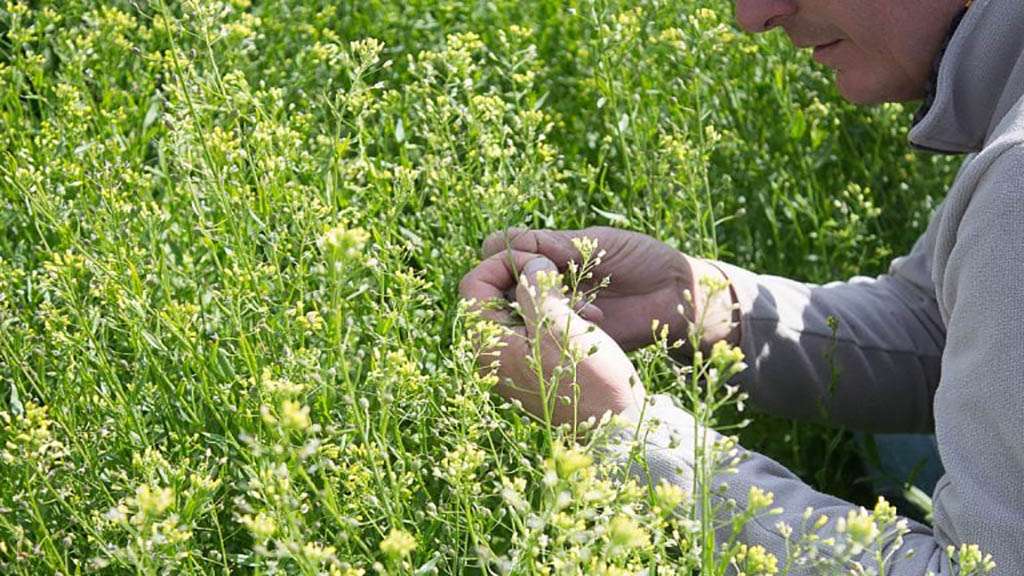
pixel 540 297
pixel 538 292
pixel 590 313
pixel 500 240
pixel 492 279
pixel 555 245
pixel 494 276
pixel 604 373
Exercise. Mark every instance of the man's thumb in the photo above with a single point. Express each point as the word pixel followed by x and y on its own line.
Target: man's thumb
pixel 539 292
pixel 540 295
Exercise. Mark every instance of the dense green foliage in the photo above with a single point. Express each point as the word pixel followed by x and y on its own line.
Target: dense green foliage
pixel 231 234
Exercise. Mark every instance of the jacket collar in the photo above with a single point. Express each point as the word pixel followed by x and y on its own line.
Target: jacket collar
pixel 980 78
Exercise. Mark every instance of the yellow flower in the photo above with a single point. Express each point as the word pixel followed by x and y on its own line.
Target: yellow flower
pixel 971 560
pixel 757 561
pixel 462 462
pixel 262 526
pixel 294 415
pixel 281 386
pixel 884 512
pixel 569 462
pixel 758 499
pixel 316 552
pixel 860 527
pixel 398 544
pixel 340 242
pixel 707 14
pixel 624 535
pixel 153 501
pixel 668 497
pixel 820 522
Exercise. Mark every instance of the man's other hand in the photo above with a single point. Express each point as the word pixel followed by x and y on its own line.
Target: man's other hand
pixel 552 333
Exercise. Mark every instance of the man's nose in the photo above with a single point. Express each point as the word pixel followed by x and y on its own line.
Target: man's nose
pixel 760 15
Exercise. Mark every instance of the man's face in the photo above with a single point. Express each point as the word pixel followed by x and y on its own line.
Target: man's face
pixel 881 50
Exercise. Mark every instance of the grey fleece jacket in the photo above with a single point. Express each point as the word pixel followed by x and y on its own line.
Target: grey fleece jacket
pixel 937 343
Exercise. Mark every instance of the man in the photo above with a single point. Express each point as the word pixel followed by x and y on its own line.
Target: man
pixel 937 343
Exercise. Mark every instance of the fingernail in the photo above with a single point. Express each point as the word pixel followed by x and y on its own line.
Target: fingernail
pixel 535 265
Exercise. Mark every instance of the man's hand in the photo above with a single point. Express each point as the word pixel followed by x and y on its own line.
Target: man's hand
pixel 553 333
pixel 647 282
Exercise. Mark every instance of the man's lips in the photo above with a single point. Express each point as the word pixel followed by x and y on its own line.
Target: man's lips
pixel 813 44
pixel 821 51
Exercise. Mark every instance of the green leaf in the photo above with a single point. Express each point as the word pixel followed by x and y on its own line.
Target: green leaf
pixel 16 407
pixel 152 114
pixel 613 217
pixel 799 125
pixel 430 567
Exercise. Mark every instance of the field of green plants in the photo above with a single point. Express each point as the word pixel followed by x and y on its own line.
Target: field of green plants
pixel 231 234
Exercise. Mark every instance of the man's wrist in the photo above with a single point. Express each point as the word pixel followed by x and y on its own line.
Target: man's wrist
pixel 713 309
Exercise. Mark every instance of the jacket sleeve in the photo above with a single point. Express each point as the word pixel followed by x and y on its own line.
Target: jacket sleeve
pixel 668 433
pixel 865 353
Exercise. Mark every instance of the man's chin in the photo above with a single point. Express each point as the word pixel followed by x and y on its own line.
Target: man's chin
pixel 853 88
pixel 865 89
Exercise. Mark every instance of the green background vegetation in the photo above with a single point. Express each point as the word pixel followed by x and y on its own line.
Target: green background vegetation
pixel 166 172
